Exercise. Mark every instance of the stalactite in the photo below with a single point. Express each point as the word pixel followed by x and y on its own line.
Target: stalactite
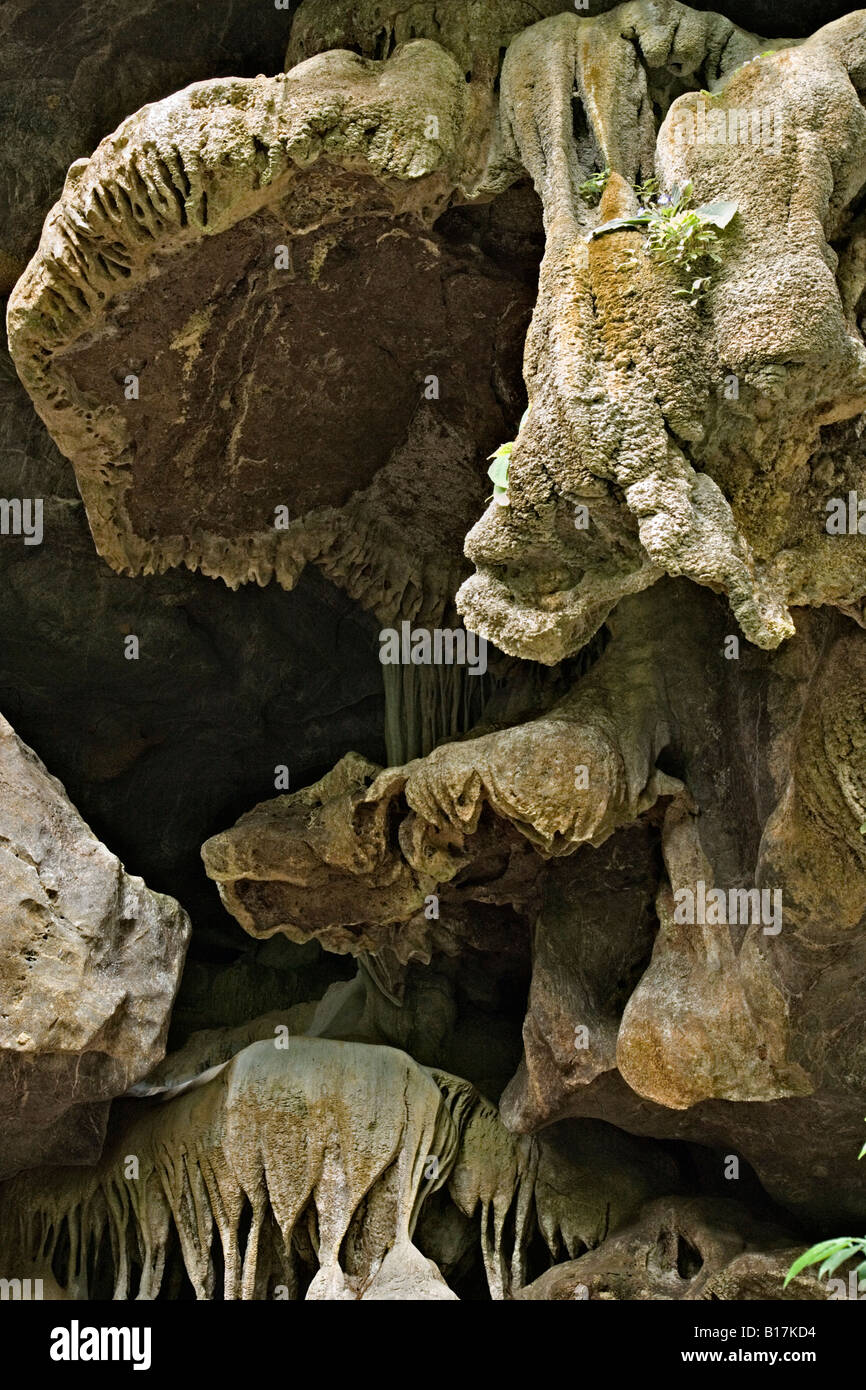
pixel 429 705
pixel 279 1132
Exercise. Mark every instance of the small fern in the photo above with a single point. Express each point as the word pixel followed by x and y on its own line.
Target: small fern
pixel 830 1254
pixel 679 235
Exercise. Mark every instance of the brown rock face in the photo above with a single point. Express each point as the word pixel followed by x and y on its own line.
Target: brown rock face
pixel 226 313
pixel 670 946
pixel 677 1249
pixel 605 893
pixel 333 420
pixel 90 961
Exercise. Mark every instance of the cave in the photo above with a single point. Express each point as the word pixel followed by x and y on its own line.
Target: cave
pixel 433 735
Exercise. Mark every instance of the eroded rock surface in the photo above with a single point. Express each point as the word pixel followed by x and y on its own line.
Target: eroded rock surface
pixel 278 320
pixel 341 1139
pixel 627 381
pixel 573 775
pixel 90 961
pixel 186 248
pixel 70 73
pixel 685 1249
pixel 219 221
pixel 574 824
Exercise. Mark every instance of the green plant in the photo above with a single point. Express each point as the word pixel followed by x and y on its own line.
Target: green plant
pixel 679 235
pixel 498 470
pixel 830 1254
pixel 647 190
pixel 593 187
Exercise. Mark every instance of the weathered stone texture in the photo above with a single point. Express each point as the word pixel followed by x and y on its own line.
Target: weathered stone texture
pixel 90 961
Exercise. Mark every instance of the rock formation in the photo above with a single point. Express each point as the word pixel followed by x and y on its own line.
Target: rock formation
pixel 542 975
pixel 90 961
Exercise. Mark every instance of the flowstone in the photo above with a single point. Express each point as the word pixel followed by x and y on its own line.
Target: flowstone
pixel 187 251
pixel 681 1249
pixel 331 1149
pixel 240 232
pixel 689 433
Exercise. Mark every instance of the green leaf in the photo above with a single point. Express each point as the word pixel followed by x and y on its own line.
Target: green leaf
pixel 680 196
pixel 640 219
pixel 498 471
pixel 826 1247
pixel 815 1254
pixel 719 214
pixel 832 1263
pixel 646 190
pixel 593 187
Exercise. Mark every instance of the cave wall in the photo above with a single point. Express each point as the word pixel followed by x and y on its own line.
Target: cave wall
pixel 327 885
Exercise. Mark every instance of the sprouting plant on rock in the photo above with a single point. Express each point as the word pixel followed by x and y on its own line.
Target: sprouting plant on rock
pixel 646 191
pixel 593 187
pixel 679 235
pixel 498 470
pixel 756 58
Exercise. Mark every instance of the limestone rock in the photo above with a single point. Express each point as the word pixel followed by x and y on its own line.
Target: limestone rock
pixel 652 414
pixel 682 1249
pixel 233 218
pixel 326 857
pixel 727 1019
pixel 69 74
pixel 192 243
pixel 212 1047
pixel 227 686
pixel 697 1011
pixel 281 1127
pixel 591 947
pixel 90 961
pixel 347 1140
pixel 475 31
pixel 277 322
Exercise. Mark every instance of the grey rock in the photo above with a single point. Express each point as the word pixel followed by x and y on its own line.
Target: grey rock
pixel 90 961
